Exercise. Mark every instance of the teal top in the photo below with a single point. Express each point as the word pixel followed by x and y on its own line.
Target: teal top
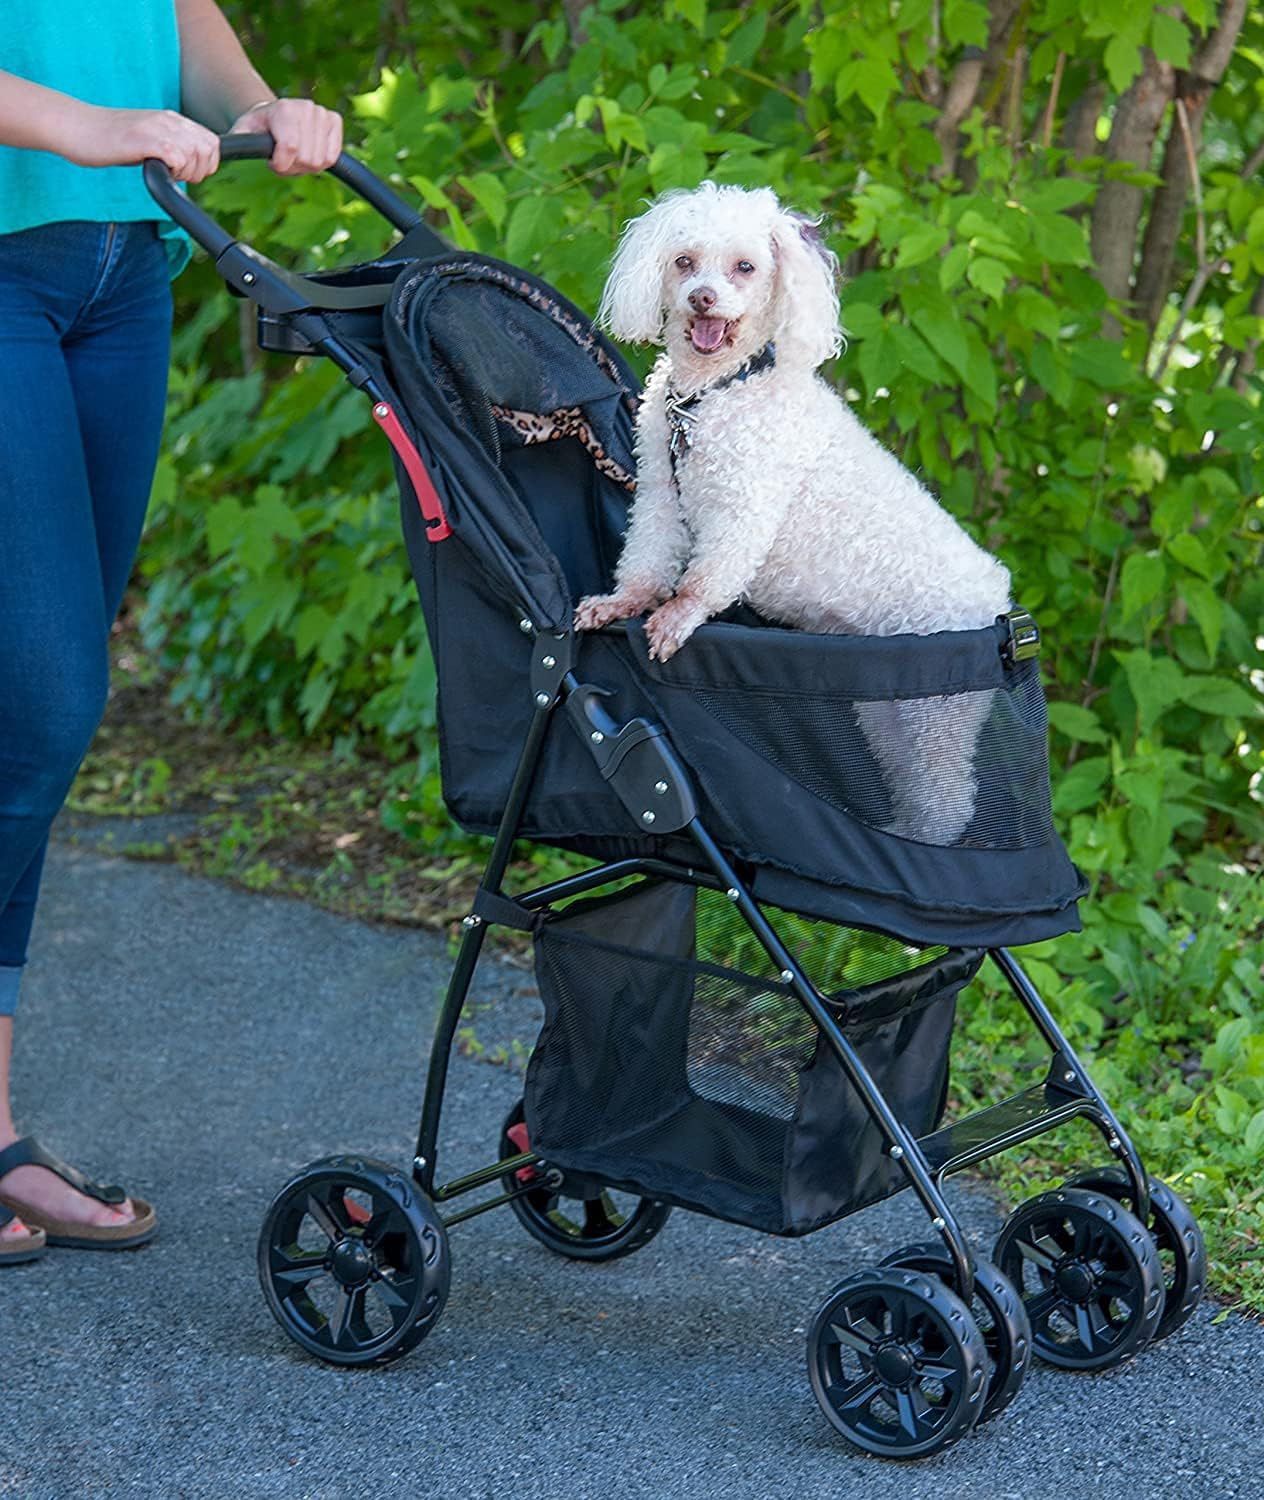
pixel 120 53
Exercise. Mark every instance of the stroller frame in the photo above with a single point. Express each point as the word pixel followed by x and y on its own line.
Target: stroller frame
pixel 929 1371
pixel 1066 1093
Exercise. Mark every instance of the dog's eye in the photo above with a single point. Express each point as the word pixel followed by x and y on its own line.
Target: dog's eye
pixel 745 267
pixel 684 263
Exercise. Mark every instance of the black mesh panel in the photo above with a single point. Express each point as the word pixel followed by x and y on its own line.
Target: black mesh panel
pixel 703 1082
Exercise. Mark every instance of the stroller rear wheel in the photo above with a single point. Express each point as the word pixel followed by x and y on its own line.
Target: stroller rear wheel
pixel 997 1309
pixel 584 1221
pixel 1176 1235
pixel 897 1363
pixel 353 1260
pixel 1089 1275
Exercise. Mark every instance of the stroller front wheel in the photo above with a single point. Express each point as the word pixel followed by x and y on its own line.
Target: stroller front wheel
pixel 897 1363
pixel 997 1309
pixel 353 1261
pixel 582 1221
pixel 1176 1236
pixel 1089 1275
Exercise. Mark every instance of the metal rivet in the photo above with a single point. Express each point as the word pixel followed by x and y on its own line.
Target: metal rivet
pixel 596 737
pixel 525 626
pixel 896 1153
pixel 1069 1077
pixel 549 661
pixel 661 788
pixel 733 893
pixel 471 921
pixel 381 410
pixel 647 816
pixel 542 699
pixel 938 1223
pixel 1114 1143
pixel 249 278
pixel 787 976
pixel 420 1163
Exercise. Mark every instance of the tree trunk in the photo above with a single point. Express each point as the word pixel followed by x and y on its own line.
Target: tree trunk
pixel 1167 214
pixel 1117 211
pixel 1079 130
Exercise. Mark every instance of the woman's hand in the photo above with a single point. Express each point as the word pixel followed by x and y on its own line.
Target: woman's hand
pixel 100 137
pixel 308 138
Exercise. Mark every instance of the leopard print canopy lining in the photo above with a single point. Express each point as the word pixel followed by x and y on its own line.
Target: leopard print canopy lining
pixel 566 421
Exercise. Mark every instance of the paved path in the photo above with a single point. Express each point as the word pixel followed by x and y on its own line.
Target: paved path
pixel 206 1042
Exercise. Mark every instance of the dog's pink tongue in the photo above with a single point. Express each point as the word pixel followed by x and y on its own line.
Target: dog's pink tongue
pixel 708 334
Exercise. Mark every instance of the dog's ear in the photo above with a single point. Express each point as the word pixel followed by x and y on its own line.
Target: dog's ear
pixel 632 302
pixel 806 291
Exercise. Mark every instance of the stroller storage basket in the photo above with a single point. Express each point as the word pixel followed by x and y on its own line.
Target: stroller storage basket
pixel 665 1068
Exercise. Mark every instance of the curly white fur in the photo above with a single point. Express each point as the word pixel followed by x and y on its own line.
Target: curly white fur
pixel 783 500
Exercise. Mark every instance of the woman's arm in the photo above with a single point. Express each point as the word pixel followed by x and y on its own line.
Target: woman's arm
pixel 221 88
pixel 42 119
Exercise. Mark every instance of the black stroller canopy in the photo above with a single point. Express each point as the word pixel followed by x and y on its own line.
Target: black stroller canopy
pixel 492 362
pixel 898 782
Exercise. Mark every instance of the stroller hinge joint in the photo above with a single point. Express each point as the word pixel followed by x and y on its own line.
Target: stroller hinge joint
pixel 551 659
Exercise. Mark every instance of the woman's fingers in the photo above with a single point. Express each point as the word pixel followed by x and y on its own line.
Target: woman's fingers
pixel 308 138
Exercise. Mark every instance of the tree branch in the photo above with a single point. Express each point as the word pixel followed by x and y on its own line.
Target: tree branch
pixel 1051 107
pixel 1194 89
pixel 1079 129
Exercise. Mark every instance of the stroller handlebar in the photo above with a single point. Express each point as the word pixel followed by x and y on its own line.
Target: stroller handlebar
pixel 242 266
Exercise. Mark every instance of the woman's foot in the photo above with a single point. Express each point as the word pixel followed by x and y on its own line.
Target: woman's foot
pixel 47 1196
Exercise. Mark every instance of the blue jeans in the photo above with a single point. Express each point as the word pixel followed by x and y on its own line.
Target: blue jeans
pixel 85 330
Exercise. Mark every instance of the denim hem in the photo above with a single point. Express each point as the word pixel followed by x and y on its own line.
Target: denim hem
pixel 10 982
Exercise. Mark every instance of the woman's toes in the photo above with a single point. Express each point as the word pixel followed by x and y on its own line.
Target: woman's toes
pixel 15 1229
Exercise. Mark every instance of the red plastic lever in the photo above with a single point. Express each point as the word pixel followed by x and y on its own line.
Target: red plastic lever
pixel 437 527
pixel 518 1135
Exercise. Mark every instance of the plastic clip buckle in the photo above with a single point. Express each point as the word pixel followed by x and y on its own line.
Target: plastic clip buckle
pixel 1022 643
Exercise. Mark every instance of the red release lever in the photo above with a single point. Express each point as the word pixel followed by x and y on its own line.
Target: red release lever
pixel 437 527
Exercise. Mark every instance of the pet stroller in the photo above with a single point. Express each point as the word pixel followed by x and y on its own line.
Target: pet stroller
pixel 749 996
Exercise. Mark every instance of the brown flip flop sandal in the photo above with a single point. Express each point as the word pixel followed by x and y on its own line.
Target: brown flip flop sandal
pixel 16 1248
pixel 66 1233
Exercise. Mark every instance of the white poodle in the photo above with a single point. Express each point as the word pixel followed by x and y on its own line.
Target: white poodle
pixel 757 483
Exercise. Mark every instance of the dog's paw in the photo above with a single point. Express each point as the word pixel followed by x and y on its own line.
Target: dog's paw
pixel 671 625
pixel 602 609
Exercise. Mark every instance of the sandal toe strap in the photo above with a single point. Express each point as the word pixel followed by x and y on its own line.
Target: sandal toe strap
pixel 29 1153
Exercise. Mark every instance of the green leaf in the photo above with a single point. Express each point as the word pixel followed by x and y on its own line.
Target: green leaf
pixel 1222 697
pixel 1060 240
pixel 1205 606
pixel 1156 683
pixel 1081 786
pixel 1189 550
pixel 1056 194
pixel 746 41
pixel 1102 363
pixel 1123 61
pixel 1170 39
pixel 1077 723
pixel 223 525
pixel 1253 1138
pixel 920 245
pixel 990 276
pixel 953 266
pixel 915 354
pixel 694 11
pixel 533 224
pixel 489 193
pixel 1140 581
pixel 1050 368
pixel 863 319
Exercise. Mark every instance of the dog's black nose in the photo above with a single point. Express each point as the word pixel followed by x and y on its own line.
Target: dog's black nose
pixel 702 299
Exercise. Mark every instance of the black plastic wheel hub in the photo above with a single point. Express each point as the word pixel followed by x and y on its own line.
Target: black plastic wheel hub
pixel 894 1365
pixel 1075 1280
pixel 351 1261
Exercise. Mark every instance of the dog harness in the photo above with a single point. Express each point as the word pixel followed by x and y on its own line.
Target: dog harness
pixel 682 411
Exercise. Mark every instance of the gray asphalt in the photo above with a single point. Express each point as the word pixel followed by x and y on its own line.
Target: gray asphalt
pixel 204 1042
